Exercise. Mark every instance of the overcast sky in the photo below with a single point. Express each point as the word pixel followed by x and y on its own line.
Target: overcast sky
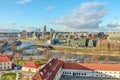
pixel 61 15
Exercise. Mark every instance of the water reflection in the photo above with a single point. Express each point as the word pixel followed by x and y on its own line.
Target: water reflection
pixel 70 56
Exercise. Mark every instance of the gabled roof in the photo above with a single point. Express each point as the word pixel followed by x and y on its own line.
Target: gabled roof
pixel 49 71
pixel 31 65
pixel 5 58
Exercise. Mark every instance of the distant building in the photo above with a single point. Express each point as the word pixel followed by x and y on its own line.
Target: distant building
pixel 59 70
pixel 90 43
pixel 5 62
pixel 114 36
pixel 24 33
pixel 44 31
pixel 30 67
pixel 76 43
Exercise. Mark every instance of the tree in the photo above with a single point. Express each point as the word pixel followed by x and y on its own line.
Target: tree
pixel 47 55
pixel 13 48
pixel 2 50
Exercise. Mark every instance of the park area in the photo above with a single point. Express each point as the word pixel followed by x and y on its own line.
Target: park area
pixel 8 76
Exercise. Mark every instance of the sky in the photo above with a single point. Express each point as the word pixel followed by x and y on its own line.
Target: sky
pixel 61 15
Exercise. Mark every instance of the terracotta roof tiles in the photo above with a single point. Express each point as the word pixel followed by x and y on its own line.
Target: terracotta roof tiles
pixel 91 66
pixel 31 65
pixel 49 71
pixel 5 58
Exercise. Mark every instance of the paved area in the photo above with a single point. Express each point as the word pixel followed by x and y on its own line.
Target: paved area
pixel 26 75
pixel 83 78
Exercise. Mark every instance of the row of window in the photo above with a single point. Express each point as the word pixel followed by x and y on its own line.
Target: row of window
pixel 85 74
pixel 5 67
pixel 106 72
pixel 74 74
pixel 5 63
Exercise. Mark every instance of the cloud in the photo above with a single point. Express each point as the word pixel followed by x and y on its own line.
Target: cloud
pixel 23 1
pixel 113 25
pixel 49 8
pixel 88 16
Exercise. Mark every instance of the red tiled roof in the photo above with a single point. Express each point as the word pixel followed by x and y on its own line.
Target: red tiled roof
pixel 31 65
pixel 5 58
pixel 85 66
pixel 49 71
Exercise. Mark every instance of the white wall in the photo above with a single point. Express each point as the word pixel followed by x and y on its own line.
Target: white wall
pixel 58 75
pixel 30 69
pixel 5 65
pixel 91 73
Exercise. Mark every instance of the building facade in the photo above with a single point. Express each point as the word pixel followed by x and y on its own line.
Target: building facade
pixel 30 67
pixel 5 62
pixel 55 69
pixel 114 36
pixel 76 43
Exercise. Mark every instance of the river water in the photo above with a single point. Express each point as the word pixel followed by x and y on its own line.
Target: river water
pixel 70 56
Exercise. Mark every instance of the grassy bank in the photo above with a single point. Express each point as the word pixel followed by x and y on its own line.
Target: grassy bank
pixel 39 62
pixel 85 50
pixel 38 42
pixel 8 76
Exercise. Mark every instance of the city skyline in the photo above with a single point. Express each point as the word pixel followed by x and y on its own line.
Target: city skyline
pixel 87 15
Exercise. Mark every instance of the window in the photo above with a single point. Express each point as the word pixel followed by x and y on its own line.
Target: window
pixel 50 64
pixel 8 67
pixel 84 73
pixel 44 70
pixel 41 73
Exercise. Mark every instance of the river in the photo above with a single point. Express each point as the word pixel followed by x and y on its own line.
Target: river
pixel 70 56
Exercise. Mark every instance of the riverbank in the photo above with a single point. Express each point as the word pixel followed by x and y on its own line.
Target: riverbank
pixel 89 51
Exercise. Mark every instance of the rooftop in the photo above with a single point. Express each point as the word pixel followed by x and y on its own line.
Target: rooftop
pixel 91 66
pixel 49 71
pixel 31 65
pixel 5 58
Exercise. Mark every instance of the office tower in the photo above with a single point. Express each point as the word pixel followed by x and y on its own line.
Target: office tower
pixel 51 33
pixel 44 30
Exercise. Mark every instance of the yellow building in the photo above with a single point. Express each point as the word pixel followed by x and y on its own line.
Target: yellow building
pixel 114 36
pixel 30 67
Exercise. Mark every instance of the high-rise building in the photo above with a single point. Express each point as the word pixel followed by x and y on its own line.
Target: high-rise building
pixel 44 30
pixel 51 32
